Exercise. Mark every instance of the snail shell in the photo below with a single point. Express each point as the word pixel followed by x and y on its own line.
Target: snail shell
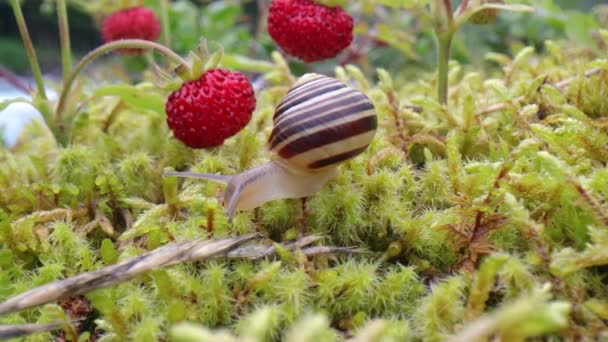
pixel 319 124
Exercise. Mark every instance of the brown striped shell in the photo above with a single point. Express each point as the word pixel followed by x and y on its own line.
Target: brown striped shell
pixel 320 123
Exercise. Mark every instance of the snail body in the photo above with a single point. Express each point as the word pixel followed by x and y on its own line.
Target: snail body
pixel 319 124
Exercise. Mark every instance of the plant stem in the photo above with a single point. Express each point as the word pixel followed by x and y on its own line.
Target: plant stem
pixel 166 25
pixel 462 7
pixel 444 28
pixel 64 37
pixel 447 7
pixel 14 80
pixel 444 43
pixel 29 47
pixel 119 44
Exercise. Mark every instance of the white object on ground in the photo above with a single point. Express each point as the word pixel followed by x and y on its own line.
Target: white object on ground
pixel 16 116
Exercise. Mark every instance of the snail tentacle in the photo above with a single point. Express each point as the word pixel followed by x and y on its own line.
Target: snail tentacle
pixel 209 176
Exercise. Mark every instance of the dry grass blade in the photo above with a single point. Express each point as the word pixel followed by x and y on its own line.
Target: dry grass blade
pixel 253 252
pixel 167 255
pixel 19 330
pixel 324 250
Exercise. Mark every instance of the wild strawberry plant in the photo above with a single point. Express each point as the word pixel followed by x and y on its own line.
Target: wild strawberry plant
pixel 478 212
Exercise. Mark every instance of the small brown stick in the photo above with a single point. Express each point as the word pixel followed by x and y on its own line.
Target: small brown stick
pixel 119 106
pixel 303 219
pixel 559 85
pixel 170 254
pixel 14 80
pixel 255 252
pixel 595 206
pixel 378 157
pixel 210 219
pixel 462 7
pixel 566 82
pixel 20 330
pixel 393 101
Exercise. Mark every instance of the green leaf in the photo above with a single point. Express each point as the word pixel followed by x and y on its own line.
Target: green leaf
pixel 108 252
pixel 399 3
pixel 580 26
pixel 397 39
pixel 243 63
pixel 332 3
pixel 134 97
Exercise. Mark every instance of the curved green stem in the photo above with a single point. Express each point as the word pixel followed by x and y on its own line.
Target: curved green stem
pixel 64 37
pixel 29 47
pixel 119 44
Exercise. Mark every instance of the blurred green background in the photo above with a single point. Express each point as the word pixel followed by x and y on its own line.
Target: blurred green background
pixel 234 24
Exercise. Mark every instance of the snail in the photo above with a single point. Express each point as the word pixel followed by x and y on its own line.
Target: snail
pixel 319 124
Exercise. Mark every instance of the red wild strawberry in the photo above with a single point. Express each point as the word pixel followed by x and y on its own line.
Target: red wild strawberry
pixel 309 31
pixel 204 112
pixel 131 23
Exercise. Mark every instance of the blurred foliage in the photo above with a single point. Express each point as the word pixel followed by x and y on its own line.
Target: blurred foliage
pixel 235 24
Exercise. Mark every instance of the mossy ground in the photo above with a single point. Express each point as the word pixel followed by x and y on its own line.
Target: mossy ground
pixel 473 223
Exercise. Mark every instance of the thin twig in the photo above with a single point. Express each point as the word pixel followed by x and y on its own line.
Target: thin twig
pixel 462 7
pixel 14 80
pixel 447 5
pixel 20 330
pixel 170 254
pixel 564 83
pixel 594 204
pixel 254 252
pixel 29 47
pixel 559 85
pixel 64 38
pixel 106 48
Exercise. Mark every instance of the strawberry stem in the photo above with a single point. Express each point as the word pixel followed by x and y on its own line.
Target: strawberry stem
pixel 29 48
pixel 64 37
pixel 462 7
pixel 444 43
pixel 444 27
pixel 108 47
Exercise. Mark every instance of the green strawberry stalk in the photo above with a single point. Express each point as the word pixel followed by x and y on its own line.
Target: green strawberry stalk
pixel 29 48
pixel 64 38
pixel 447 22
pixel 443 20
pixel 88 58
